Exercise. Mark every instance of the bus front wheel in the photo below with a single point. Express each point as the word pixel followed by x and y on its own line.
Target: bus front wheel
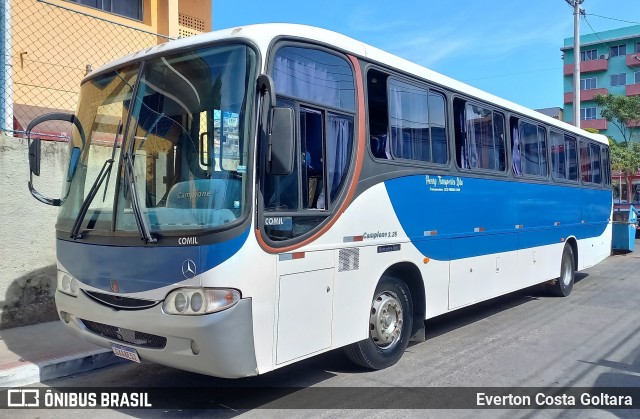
pixel 562 286
pixel 390 324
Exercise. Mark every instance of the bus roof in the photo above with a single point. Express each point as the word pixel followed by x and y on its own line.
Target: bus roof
pixel 263 35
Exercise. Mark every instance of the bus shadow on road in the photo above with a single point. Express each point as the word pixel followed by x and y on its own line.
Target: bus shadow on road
pixel 185 394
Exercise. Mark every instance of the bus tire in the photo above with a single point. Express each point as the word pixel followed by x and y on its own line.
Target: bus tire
pixel 390 325
pixel 562 286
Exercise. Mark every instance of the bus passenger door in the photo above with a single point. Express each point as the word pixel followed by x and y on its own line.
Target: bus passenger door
pixel 294 205
pixel 305 303
pixel 319 88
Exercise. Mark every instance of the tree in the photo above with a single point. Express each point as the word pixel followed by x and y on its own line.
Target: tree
pixel 625 158
pixel 621 111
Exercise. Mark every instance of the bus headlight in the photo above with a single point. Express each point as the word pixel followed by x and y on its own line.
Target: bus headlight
pixel 195 301
pixel 67 284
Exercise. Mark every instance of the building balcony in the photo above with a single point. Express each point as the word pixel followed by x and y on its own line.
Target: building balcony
pixel 585 95
pixel 633 60
pixel 588 66
pixel 599 124
pixel 632 89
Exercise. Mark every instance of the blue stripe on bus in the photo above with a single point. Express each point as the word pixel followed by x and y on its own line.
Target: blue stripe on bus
pixel 140 269
pixel 482 216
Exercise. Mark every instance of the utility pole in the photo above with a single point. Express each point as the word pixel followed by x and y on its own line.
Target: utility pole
pixel 577 11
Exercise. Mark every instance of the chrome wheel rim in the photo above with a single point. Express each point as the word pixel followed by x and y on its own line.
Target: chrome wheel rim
pixel 385 322
pixel 566 269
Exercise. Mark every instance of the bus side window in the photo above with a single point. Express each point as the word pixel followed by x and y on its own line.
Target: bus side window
pixel 570 146
pixel 542 150
pixel 378 115
pixel 585 162
pixel 311 133
pixel 531 143
pixel 460 134
pixel 484 146
pixel 437 125
pixel 319 86
pixel 499 150
pixel 406 120
pixel 606 167
pixel 516 163
pixel 596 165
pixel 558 156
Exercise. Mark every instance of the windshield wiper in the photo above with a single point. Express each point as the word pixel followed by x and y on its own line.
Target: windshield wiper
pixel 105 173
pixel 113 156
pixel 143 227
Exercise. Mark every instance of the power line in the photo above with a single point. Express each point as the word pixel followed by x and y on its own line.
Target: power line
pixel 613 18
pixel 513 74
pixel 595 33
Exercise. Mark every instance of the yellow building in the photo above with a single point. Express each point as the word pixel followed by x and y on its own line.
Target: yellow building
pixel 49 45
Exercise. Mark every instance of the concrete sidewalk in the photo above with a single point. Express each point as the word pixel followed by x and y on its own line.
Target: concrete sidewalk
pixel 32 354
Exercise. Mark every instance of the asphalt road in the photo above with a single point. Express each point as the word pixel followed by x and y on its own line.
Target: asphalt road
pixel 524 339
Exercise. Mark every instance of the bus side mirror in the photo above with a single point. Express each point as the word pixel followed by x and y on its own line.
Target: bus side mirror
pixel 34 156
pixel 35 148
pixel 281 142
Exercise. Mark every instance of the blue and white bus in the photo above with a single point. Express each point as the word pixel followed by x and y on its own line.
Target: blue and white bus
pixel 240 200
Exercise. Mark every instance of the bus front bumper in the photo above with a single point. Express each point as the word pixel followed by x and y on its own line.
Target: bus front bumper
pixel 223 340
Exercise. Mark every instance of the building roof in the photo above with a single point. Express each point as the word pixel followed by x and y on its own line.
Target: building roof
pixel 620 34
pixel 554 112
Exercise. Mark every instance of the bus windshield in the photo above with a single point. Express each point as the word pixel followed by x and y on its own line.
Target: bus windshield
pixel 181 121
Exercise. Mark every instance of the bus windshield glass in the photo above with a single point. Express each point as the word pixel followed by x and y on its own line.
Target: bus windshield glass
pixel 181 121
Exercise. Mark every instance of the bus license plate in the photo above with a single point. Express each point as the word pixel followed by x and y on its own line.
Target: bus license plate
pixel 126 353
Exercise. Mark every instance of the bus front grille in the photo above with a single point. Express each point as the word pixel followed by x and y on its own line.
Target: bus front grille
pixel 145 340
pixel 119 302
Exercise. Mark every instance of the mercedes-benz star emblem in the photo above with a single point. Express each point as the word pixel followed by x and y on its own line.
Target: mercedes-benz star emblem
pixel 188 268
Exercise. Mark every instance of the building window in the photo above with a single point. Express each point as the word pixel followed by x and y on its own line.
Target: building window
pixel 636 76
pixel 618 50
pixel 618 79
pixel 589 55
pixel 637 47
pixel 127 8
pixel 588 84
pixel 588 113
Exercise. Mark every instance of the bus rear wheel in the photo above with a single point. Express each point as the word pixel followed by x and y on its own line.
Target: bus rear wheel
pixel 390 324
pixel 562 286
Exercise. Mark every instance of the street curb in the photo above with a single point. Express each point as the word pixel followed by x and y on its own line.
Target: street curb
pixel 32 373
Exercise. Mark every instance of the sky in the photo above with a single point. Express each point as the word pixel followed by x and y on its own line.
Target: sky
pixel 510 48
